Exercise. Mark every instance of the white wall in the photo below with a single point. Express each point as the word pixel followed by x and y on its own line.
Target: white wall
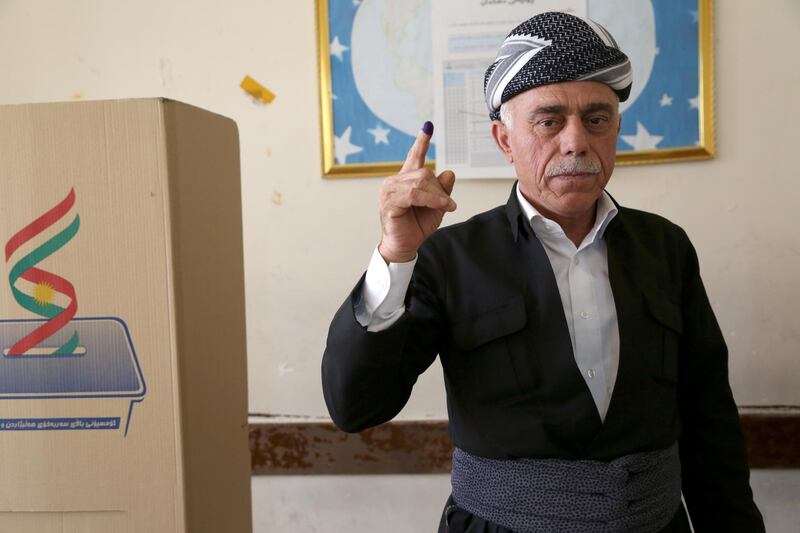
pixel 307 239
pixel 413 504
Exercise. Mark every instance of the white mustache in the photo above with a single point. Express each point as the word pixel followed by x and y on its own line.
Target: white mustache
pixel 575 166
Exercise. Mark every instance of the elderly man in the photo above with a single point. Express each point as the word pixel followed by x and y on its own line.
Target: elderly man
pixel 586 375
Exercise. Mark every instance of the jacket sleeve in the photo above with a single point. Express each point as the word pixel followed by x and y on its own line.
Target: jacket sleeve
pixel 713 458
pixel 367 377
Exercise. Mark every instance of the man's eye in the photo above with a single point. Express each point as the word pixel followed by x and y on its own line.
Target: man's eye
pixel 547 123
pixel 596 121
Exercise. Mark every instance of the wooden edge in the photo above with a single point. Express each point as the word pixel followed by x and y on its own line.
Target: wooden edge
pixel 772 437
pixel 423 447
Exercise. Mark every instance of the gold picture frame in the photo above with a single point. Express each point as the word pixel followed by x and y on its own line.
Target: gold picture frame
pixel 704 148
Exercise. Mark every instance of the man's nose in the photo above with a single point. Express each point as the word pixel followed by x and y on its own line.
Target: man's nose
pixel 573 137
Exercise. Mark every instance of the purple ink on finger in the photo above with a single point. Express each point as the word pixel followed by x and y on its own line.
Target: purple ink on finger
pixel 428 127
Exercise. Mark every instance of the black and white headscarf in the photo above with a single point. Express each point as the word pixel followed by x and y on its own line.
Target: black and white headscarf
pixel 554 47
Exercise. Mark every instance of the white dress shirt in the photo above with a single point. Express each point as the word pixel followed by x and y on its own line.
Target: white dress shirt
pixel 582 278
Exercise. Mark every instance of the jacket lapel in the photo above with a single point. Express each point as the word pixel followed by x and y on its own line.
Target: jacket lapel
pixel 567 407
pixel 627 264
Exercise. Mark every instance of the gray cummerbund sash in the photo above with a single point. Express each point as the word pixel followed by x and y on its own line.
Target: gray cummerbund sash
pixel 639 492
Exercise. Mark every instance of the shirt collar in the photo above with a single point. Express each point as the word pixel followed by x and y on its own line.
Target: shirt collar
pixel 606 211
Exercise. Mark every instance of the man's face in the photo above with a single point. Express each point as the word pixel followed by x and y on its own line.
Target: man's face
pixel 562 143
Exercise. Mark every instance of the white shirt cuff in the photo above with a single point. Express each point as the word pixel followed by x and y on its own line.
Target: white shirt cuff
pixel 383 293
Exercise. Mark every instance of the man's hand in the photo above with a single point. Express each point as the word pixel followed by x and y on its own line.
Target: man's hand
pixel 413 202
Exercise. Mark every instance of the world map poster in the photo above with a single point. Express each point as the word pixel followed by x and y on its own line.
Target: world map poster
pixel 383 75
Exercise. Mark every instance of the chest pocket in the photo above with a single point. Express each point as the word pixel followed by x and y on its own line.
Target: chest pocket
pixel 482 363
pixel 490 324
pixel 669 317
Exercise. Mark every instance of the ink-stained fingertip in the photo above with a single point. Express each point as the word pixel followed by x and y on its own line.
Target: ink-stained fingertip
pixel 428 127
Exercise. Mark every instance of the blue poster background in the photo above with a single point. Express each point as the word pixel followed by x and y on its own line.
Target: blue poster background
pixel 665 113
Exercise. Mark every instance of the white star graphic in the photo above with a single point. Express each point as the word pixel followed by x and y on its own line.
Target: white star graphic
pixel 337 48
pixel 643 140
pixel 694 102
pixel 380 134
pixel 356 3
pixel 342 147
pixel 694 15
pixel 665 100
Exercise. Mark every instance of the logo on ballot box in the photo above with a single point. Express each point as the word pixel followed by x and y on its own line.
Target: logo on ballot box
pixel 52 354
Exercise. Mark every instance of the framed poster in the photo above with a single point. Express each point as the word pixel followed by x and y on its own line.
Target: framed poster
pixel 376 66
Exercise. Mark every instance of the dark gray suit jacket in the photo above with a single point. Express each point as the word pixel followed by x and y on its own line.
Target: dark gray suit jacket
pixel 484 298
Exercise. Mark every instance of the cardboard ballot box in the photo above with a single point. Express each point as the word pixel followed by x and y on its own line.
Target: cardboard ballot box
pixel 123 391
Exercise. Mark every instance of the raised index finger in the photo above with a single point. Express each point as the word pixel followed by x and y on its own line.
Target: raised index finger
pixel 416 155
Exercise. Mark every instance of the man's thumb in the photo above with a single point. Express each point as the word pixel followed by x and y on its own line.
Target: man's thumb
pixel 447 179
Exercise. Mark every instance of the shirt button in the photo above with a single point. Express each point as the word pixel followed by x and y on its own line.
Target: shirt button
pixel 590 373
pixel 584 315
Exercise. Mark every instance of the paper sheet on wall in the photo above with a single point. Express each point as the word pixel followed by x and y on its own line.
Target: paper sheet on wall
pixel 466 36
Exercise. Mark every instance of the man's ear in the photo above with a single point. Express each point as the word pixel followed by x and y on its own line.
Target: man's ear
pixel 619 125
pixel 500 135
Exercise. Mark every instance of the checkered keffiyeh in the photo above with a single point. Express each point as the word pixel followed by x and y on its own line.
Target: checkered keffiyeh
pixel 554 47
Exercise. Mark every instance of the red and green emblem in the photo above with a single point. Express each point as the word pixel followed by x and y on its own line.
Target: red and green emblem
pixel 41 292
